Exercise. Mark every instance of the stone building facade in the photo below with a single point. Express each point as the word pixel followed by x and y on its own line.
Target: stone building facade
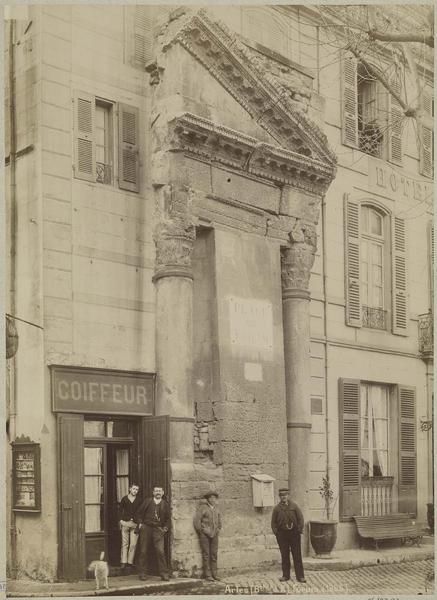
pixel 179 279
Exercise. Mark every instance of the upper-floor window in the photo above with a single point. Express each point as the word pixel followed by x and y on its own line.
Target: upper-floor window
pixel 372 268
pixel 372 120
pixel 106 142
pixel 426 138
pixel 375 268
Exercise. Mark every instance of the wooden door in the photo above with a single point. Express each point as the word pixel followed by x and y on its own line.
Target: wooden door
pixel 71 493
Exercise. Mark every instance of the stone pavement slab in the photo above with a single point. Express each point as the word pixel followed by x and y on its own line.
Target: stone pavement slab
pixel 125 585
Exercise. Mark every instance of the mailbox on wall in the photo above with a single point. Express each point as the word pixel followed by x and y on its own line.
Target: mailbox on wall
pixel 263 491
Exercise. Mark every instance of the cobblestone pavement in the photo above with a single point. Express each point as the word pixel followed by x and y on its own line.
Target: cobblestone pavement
pixel 381 580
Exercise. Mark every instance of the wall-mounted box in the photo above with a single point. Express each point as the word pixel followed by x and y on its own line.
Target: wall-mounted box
pixel 263 490
pixel 26 475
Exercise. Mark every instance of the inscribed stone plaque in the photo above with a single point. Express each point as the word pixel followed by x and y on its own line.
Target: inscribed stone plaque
pixel 251 327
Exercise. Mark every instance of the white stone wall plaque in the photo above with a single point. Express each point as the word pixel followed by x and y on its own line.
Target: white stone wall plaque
pixel 251 327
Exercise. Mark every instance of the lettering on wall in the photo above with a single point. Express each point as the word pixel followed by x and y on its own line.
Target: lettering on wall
pixel 389 182
pixel 99 391
pixel 251 327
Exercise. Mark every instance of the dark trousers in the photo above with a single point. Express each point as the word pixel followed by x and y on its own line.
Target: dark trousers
pixel 209 547
pixel 290 540
pixel 152 540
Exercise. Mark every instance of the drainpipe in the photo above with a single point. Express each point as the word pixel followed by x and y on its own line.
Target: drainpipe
pixel 12 371
pixel 325 329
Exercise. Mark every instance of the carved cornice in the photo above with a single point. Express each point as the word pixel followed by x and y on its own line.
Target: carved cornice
pixel 201 138
pixel 297 261
pixel 272 100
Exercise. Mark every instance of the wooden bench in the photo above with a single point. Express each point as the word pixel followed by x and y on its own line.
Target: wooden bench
pixel 384 527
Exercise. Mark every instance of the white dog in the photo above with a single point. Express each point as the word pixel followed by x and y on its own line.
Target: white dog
pixel 101 571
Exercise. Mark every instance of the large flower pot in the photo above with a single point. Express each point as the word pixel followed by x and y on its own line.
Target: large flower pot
pixel 323 535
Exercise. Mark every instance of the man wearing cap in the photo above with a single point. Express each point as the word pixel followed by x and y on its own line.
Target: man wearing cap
pixel 207 523
pixel 287 525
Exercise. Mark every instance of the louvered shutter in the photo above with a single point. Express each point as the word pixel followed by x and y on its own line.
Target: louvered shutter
pixel 350 468
pixel 84 137
pixel 396 126
pixel 426 141
pixel 431 261
pixel 349 99
pixel 399 274
pixel 407 449
pixel 128 168
pixel 352 261
pixel 143 35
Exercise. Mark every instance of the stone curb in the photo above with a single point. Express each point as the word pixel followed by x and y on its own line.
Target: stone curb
pixel 146 588
pixel 334 564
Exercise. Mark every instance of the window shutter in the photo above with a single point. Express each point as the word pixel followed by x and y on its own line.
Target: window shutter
pixel 143 35
pixel 352 262
pixel 399 274
pixel 350 468
pixel 431 261
pixel 426 166
pixel 395 129
pixel 349 99
pixel 407 449
pixel 84 138
pixel 128 168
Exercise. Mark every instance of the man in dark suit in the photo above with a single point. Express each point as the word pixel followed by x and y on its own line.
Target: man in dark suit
pixel 287 525
pixel 153 522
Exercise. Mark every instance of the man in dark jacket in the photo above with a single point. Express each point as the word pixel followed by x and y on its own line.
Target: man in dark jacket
pixel 287 525
pixel 127 509
pixel 208 523
pixel 153 520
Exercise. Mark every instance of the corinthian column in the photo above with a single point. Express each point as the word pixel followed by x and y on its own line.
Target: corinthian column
pixel 174 240
pixel 296 263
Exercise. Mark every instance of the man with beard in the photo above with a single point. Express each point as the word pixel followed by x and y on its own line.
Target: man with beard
pixel 153 520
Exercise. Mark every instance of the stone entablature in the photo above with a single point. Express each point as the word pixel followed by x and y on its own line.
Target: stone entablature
pixel 277 103
pixel 200 138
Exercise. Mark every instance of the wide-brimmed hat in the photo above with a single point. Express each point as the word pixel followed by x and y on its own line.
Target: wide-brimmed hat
pixel 210 493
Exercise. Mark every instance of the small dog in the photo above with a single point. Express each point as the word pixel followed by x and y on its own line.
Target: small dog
pixel 101 571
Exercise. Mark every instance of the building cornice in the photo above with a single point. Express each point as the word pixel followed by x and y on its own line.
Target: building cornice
pixel 203 139
pixel 275 102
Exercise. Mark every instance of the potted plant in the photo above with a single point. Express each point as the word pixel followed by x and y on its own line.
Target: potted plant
pixel 323 532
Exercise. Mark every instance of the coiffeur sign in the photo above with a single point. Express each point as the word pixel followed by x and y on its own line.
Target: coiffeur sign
pixel 102 391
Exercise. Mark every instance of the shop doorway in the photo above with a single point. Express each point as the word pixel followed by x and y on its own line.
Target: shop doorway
pixel 98 458
pixel 109 466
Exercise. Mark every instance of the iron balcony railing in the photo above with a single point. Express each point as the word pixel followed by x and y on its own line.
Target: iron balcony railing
pixel 103 173
pixel 374 318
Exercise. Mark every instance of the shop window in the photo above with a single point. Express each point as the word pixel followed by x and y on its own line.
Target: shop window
pixel 122 472
pixel 95 152
pixel 372 119
pixel 94 490
pixel 107 428
pixel 377 448
pixel 375 268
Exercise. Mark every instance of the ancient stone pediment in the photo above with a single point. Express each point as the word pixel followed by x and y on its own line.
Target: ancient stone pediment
pixel 272 98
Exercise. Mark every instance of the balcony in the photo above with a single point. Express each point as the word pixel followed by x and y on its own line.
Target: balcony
pixel 426 335
pixel 374 318
pixel 103 173
pixel 376 496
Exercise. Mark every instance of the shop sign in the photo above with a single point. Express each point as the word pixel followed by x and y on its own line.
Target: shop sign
pixel 391 183
pixel 101 391
pixel 26 475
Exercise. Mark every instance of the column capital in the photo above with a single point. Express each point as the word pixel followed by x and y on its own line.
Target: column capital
pixel 297 261
pixel 174 242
